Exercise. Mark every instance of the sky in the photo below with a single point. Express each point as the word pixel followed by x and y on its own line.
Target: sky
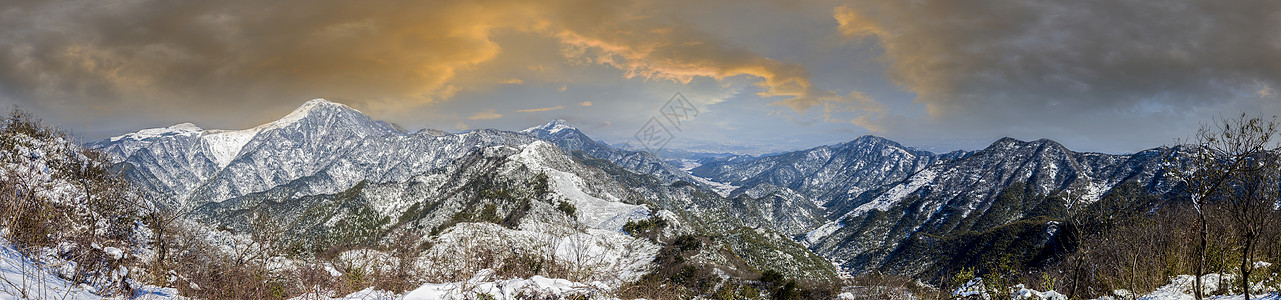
pixel 764 75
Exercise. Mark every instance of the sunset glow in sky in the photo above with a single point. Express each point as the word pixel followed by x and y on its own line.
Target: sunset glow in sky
pixel 1110 76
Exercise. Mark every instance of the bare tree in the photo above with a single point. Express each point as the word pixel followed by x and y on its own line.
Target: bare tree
pixel 1077 221
pixel 1230 160
pixel 1250 204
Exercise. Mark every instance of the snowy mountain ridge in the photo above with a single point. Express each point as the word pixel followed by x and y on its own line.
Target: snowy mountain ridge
pixel 973 194
pixel 179 129
pixel 332 178
pixel 325 167
pixel 553 127
pixel 226 144
pixel 182 160
pixel 809 196
pixel 876 198
pixel 570 139
pixel 826 173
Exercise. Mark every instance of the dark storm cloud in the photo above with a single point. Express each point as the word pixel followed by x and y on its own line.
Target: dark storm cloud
pixel 121 57
pixel 1099 75
pixel 1085 67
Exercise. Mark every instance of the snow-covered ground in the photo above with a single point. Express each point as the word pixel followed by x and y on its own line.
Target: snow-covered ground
pixel 898 192
pixel 485 283
pixel 24 278
pixel 600 255
pixel 594 211
pixel 819 233
pixel 1180 288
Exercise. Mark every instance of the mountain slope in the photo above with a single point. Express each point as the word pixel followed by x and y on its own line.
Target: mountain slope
pixel 68 225
pixel 569 138
pixel 518 186
pixel 801 189
pixel 826 173
pixel 1008 182
pixel 333 178
pixel 747 227
pixel 501 185
pixel 183 160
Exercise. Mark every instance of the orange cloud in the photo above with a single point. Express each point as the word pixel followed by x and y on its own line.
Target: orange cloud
pixel 852 23
pixel 380 55
pixel 485 115
pixel 681 55
pixel 542 109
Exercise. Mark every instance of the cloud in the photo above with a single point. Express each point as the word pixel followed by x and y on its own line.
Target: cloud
pixel 485 115
pixel 682 54
pixel 853 23
pixel 1088 67
pixel 145 55
pixel 542 109
pixel 586 103
pixel 122 57
pixel 1265 92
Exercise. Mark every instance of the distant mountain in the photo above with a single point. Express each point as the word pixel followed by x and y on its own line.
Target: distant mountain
pixel 880 206
pixel 184 161
pixel 569 138
pixel 825 173
pixel 1009 182
pixel 332 176
pixel 504 176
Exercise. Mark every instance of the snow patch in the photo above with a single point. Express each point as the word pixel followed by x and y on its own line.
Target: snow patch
pixel 821 232
pixel 1093 192
pixel 225 145
pixel 1051 228
pixel 898 192
pixel 1022 292
pixel 609 256
pixel 483 285
pixel 593 211
pixel 22 277
pixel 114 253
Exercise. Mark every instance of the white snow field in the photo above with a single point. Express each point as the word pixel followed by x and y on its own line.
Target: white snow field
pixel 1180 288
pixel 24 278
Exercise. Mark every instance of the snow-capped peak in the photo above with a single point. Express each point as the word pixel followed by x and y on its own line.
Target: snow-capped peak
pixel 179 129
pixel 1006 143
pixel 313 105
pixel 552 127
pixel 226 145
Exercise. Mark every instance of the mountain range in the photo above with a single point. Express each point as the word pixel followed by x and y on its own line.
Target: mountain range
pixel 332 175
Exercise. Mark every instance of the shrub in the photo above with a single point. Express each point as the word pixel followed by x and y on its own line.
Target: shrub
pixel 567 208
pixel 787 291
pixel 687 243
pixel 647 228
pixel 513 218
pixel 101 209
pixel 771 277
